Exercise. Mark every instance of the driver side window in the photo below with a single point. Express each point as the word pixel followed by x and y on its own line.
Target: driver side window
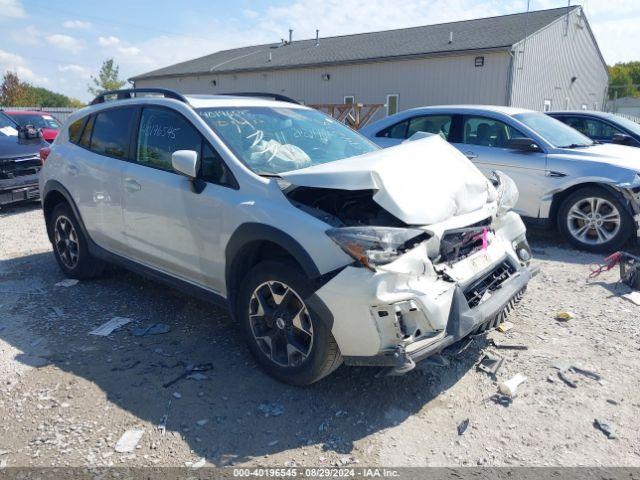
pixel 488 132
pixel 163 132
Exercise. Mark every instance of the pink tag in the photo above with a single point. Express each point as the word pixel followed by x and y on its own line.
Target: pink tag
pixel 485 241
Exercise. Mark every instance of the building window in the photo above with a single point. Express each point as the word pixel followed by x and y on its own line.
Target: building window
pixel 349 100
pixel 392 104
pixel 546 106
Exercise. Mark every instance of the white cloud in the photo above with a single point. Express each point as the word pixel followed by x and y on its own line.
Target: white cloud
pixel 109 41
pixel 75 70
pixel 11 9
pixel 76 24
pixel 15 63
pixel 248 13
pixel 65 42
pixel 117 48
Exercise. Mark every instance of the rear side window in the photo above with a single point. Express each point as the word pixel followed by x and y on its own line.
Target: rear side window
pixel 161 133
pixel 85 140
pixel 111 132
pixel 75 130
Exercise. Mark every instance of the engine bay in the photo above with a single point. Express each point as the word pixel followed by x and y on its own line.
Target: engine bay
pixel 342 208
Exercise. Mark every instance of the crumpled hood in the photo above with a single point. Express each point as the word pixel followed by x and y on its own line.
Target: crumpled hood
pixel 421 182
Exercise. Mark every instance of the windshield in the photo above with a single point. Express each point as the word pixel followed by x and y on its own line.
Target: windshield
pixel 275 140
pixel 554 131
pixel 38 121
pixel 7 126
pixel 630 125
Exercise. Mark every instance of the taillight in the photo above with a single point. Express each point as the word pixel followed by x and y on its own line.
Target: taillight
pixel 44 153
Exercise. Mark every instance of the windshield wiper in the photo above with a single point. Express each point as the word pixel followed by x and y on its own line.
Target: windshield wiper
pixel 576 145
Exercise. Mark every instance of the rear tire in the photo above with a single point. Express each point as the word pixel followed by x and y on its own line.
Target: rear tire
pixel 70 245
pixel 595 220
pixel 288 338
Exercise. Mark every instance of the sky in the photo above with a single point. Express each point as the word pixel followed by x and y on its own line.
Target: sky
pixel 59 45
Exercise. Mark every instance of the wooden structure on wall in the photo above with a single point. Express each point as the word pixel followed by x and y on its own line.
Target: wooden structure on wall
pixel 356 115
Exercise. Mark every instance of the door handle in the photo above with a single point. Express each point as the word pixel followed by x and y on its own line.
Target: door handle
pixel 72 170
pixel 470 155
pixel 131 185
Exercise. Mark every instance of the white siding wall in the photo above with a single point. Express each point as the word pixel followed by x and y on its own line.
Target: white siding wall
pixel 419 82
pixel 544 65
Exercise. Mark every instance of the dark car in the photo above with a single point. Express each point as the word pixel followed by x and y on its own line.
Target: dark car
pixel 19 161
pixel 602 127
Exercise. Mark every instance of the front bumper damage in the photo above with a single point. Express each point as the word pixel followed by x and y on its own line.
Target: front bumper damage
pixel 397 317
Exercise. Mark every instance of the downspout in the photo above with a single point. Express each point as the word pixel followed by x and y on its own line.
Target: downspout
pixel 510 77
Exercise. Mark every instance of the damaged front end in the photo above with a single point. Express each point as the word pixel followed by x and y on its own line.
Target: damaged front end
pixel 435 257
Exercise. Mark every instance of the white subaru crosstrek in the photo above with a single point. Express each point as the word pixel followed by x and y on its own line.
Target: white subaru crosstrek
pixel 324 247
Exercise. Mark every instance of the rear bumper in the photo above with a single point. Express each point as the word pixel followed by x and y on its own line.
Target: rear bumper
pixel 19 189
pixel 462 321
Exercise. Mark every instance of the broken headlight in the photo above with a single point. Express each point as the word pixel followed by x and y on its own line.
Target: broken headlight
pixel 372 246
pixel 507 192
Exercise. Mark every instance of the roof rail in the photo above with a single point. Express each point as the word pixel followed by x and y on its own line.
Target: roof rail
pixel 271 96
pixel 132 93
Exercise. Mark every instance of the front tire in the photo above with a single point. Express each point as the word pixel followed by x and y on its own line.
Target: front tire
pixel 286 335
pixel 595 220
pixel 70 245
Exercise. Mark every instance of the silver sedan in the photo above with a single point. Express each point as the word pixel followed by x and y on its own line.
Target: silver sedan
pixel 589 191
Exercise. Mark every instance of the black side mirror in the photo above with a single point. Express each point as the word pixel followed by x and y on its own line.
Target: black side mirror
pixel 621 139
pixel 523 144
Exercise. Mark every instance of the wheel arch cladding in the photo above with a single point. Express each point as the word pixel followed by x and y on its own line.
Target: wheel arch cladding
pixel 53 194
pixel 559 197
pixel 249 240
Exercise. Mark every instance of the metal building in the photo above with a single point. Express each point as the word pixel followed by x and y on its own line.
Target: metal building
pixel 543 60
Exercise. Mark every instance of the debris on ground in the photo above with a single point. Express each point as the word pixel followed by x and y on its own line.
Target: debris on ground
pixel 127 366
pixel 162 426
pixel 507 346
pixel 271 409
pixel 633 297
pixel 177 395
pixel 504 327
pixel 567 380
pixel 109 327
pixel 189 371
pixel 202 423
pixel 152 329
pixel 564 368
pixel 510 387
pixel 462 426
pixel 67 282
pixel 605 427
pixel 565 316
pixel 490 364
pixel 437 361
pixel 195 465
pixel 501 399
pixel 129 440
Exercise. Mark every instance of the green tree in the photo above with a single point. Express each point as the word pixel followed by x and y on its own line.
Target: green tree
pixel 107 78
pixel 623 80
pixel 14 92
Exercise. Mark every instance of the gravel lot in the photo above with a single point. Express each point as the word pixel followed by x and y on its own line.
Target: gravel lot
pixel 66 397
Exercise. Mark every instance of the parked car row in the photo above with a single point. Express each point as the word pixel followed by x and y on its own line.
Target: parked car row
pixel 588 190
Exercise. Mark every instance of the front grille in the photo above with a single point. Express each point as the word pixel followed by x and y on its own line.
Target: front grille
pixel 491 282
pixel 19 166
pixel 461 242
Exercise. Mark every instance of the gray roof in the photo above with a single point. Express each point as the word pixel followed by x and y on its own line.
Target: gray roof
pixel 479 34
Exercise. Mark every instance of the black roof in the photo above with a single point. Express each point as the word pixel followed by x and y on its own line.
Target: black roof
pixel 478 34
